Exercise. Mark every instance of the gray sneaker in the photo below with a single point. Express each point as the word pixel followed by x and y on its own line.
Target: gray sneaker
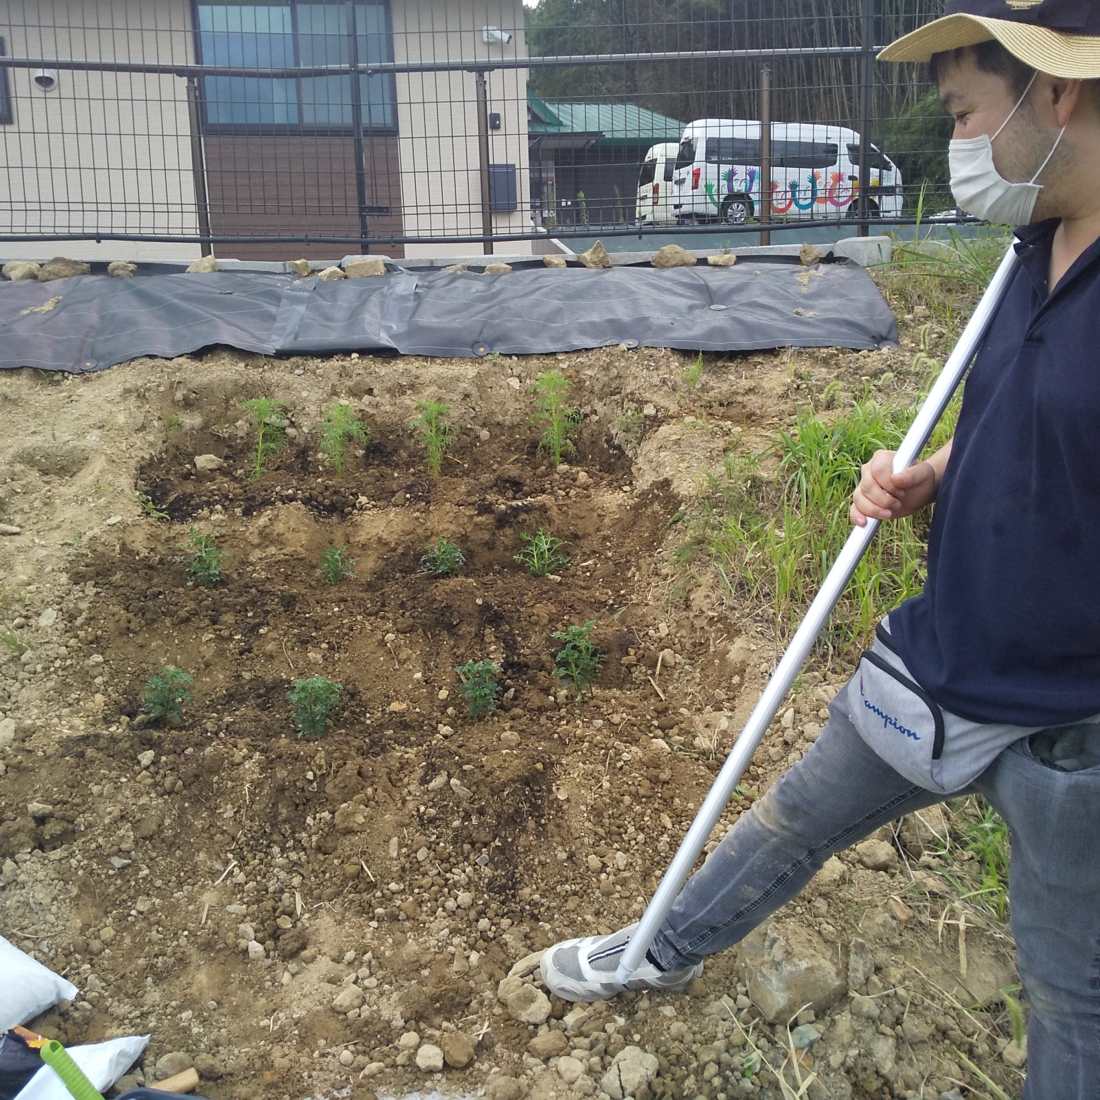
pixel 584 969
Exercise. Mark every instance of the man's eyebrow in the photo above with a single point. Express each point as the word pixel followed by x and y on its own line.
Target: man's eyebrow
pixel 949 97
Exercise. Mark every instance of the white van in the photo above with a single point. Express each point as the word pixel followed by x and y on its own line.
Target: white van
pixel 814 172
pixel 654 203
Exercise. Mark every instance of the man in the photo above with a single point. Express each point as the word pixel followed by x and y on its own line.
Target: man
pixel 988 682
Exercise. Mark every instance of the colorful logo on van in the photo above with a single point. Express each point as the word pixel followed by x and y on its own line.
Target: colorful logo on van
pixel 839 192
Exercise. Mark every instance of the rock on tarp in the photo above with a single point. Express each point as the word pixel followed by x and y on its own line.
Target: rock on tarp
pixel 759 303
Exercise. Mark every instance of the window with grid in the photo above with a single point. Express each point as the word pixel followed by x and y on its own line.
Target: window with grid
pixel 295 34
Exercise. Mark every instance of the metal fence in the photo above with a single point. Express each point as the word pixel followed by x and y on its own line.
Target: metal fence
pixel 273 129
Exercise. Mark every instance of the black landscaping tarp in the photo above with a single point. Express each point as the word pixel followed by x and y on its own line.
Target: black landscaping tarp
pixel 91 322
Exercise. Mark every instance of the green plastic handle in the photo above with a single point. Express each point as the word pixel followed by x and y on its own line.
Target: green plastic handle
pixel 72 1076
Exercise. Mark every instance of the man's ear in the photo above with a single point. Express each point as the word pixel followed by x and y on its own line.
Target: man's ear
pixel 1062 97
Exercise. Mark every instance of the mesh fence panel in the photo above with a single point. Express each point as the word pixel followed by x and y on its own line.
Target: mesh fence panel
pixel 302 127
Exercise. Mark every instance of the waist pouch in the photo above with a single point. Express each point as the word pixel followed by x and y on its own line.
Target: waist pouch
pixel 904 725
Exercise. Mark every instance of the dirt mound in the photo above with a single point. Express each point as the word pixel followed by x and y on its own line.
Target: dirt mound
pixel 303 915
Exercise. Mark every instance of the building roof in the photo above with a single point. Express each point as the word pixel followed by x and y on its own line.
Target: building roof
pixel 607 124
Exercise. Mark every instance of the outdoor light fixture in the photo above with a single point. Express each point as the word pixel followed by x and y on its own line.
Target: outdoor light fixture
pixel 495 34
pixel 45 79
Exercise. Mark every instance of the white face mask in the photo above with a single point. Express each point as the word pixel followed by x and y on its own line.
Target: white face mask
pixel 981 190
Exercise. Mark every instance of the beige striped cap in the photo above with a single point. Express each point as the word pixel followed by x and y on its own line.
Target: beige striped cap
pixel 1055 50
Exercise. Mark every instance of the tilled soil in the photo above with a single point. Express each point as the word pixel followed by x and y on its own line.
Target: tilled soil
pixel 300 916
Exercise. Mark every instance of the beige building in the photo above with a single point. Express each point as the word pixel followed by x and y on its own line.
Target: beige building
pixel 87 152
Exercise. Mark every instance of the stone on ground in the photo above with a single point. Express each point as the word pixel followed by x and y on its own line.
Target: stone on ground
pixel 331 275
pixel 809 254
pixel 554 261
pixel 631 1069
pixel 458 1049
pixel 548 1045
pixel 504 1087
pixel 168 1065
pixel 301 267
pixel 429 1058
pixel 365 268
pixel 203 267
pixel 121 269
pixel 877 855
pixel 672 255
pixel 785 971
pixel 19 270
pixel 596 256
pixel 724 259
pixel 496 269
pixel 60 267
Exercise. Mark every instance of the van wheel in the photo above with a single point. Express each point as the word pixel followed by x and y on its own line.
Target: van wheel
pixel 853 209
pixel 737 210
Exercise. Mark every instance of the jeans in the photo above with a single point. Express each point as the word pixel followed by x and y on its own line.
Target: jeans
pixel 839 792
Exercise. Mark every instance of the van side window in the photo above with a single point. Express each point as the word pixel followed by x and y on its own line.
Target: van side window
pixel 670 167
pixel 649 168
pixel 804 154
pixel 733 150
pixel 685 158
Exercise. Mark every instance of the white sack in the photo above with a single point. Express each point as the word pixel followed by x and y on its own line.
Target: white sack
pixel 27 988
pixel 103 1064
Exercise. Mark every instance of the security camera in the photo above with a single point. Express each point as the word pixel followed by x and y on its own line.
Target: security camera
pixel 495 34
pixel 46 79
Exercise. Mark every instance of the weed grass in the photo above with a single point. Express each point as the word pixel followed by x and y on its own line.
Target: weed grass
pixel 479 686
pixel 313 700
pixel 164 694
pixel 203 559
pixel 774 521
pixel 14 642
pixel 694 372
pixel 341 430
pixel 336 566
pixel 541 553
pixel 149 507
pixel 269 418
pixel 442 558
pixel 558 421
pixel 436 435
pixel 578 660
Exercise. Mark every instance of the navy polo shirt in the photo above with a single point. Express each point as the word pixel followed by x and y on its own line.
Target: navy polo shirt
pixel 1007 628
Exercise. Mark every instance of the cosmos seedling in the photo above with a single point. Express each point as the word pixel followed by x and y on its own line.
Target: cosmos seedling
pixel 341 430
pixel 164 694
pixel 270 419
pixel 313 701
pixel 435 433
pixel 559 422
pixel 541 553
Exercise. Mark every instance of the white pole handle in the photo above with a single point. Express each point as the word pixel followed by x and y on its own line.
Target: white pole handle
pixel 806 635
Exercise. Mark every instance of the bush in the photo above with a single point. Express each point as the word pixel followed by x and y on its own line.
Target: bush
pixel 203 559
pixel 335 567
pixel 442 558
pixel 479 686
pixel 313 701
pixel 578 661
pixel 559 422
pixel 164 694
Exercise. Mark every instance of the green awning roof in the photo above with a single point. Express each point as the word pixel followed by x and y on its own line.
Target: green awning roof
pixel 600 123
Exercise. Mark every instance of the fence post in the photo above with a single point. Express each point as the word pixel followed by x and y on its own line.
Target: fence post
pixel 198 166
pixel 765 211
pixel 867 82
pixel 357 125
pixel 483 156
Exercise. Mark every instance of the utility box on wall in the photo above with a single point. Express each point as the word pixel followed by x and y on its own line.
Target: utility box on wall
pixel 502 187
